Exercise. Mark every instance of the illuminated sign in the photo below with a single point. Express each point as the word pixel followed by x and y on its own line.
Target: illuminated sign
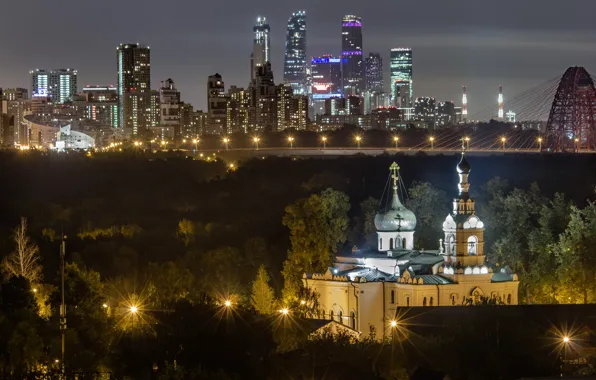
pixel 352 23
pixel 325 96
pixel 357 52
pixel 41 93
pixel 325 60
pixel 321 87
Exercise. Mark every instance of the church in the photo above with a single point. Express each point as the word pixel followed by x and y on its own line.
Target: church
pixel 363 289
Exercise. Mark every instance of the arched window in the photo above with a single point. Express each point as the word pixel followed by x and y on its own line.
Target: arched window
pixel 391 243
pixel 322 315
pixel 331 316
pixel 403 243
pixel 424 302
pixel 431 301
pixel 450 245
pixel 353 320
pixel 340 316
pixel 392 296
pixel 453 300
pixel 508 299
pixel 472 245
pixel 407 301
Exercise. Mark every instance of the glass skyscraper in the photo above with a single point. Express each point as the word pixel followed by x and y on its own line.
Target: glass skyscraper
pixel 295 58
pixel 352 65
pixel 134 87
pixel 401 77
pixel 326 81
pixel 261 52
pixel 374 72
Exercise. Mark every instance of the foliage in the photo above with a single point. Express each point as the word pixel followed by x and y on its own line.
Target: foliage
pixel 431 206
pixel 24 261
pixel 317 225
pixel 127 231
pixel 186 231
pixel 262 296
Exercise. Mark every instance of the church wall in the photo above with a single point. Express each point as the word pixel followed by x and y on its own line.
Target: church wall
pixel 336 297
pixel 371 308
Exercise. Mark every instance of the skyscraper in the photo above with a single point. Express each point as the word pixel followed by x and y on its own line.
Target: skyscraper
pixel 134 87
pixel 351 45
pixel 169 104
pixel 57 84
pixel 261 52
pixel 217 105
pixel 101 104
pixel 374 72
pixel 295 58
pixel 326 81
pixel 401 77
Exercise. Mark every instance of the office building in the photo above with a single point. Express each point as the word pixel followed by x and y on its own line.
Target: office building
pixel 59 85
pixel 373 100
pixel 446 114
pixel 374 73
pixel 387 118
pixel 350 105
pixel 299 112
pixel 261 52
pixel 401 77
pixel 169 104
pixel 101 105
pixel 352 65
pixel 326 81
pixel 284 94
pixel 217 104
pixel 15 94
pixel 135 102
pixel 295 57
pixel 425 110
pixel 263 100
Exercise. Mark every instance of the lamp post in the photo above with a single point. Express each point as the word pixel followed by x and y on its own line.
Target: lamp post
pixel 358 139
pixel 540 144
pixel 324 140
pixel 395 140
pixel 291 141
pixel 503 139
pixel 226 141
pixel 576 144
pixel 467 139
pixel 432 143
pixel 563 358
pixel 256 141
pixel 196 142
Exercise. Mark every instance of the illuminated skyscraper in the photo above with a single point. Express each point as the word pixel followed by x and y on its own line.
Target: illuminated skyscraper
pixel 261 52
pixel 295 59
pixel 501 104
pixel 352 65
pixel 58 84
pixel 326 81
pixel 217 106
pixel 374 72
pixel 401 77
pixel 134 87
pixel 464 104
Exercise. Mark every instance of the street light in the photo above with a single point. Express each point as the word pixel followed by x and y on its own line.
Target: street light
pixel 284 311
pixel 196 142
pixel 324 140
pixel 503 139
pixel 396 140
pixel 228 303
pixel 133 309
pixel 432 142
pixel 576 140
pixel 256 141
pixel 226 141
pixel 358 139
pixel 393 323
pixel 291 141
pixel 467 139
pixel 540 144
pixel 563 359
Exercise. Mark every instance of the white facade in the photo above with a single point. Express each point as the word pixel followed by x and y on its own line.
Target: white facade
pixel 364 289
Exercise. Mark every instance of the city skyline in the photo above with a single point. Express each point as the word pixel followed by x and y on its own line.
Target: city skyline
pixel 475 48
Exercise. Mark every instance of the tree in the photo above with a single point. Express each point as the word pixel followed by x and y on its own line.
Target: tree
pixel 317 225
pixel 368 209
pixel 429 204
pixel 186 231
pixel 24 261
pixel 262 297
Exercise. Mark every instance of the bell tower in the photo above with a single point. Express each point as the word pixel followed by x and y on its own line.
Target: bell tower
pixel 464 231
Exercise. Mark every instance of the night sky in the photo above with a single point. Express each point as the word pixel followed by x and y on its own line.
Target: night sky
pixel 516 43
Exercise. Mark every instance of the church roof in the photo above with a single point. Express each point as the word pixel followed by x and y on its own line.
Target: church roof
pixel 433 279
pixel 397 217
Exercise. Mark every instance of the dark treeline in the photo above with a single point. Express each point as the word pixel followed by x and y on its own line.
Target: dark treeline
pixel 179 236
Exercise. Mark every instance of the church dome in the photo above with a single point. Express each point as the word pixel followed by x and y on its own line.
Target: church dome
pixel 464 166
pixel 397 218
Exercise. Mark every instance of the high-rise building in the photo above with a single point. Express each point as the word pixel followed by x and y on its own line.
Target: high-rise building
pixel 295 58
pixel 264 100
pixel 446 114
pixel 326 81
pixel 284 94
pixel 374 72
pixel 352 65
pixel 59 85
pixel 299 112
pixel 401 77
pixel 14 106
pixel 261 52
pixel 217 105
pixel 237 110
pixel 101 104
pixel 501 112
pixel 15 94
pixel 464 104
pixel 135 101
pixel 169 104
pixel 425 110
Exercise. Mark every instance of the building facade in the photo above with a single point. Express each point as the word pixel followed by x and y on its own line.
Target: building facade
pixel 237 110
pixel 295 56
pixel 134 87
pixel 446 114
pixel 374 73
pixel 169 105
pixel 101 105
pixel 326 81
pixel 364 289
pixel 425 110
pixel 352 65
pixel 217 105
pixel 60 85
pixel 401 77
